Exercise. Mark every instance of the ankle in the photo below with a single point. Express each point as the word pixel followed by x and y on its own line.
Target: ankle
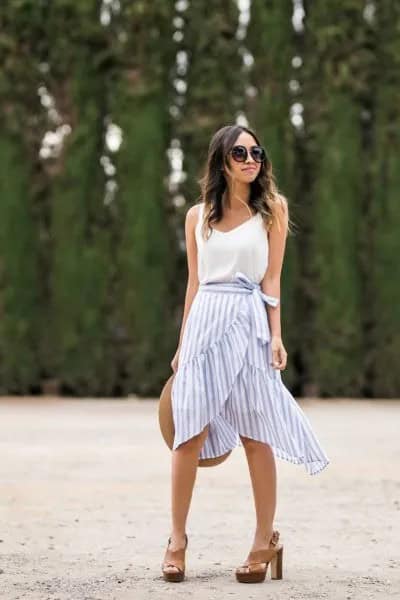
pixel 262 537
pixel 178 536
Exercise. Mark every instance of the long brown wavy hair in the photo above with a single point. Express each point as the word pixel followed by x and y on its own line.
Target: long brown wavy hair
pixel 264 195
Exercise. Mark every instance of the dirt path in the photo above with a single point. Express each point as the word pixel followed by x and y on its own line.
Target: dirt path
pixel 85 496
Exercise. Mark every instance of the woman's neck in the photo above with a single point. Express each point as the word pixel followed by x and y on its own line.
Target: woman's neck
pixel 236 196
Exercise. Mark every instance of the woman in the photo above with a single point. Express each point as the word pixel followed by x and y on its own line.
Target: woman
pixel 227 388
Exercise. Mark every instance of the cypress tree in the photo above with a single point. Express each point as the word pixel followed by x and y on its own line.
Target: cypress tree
pixel 335 63
pixel 271 41
pixel 213 98
pixel 215 90
pixel 19 289
pixel 382 223
pixel 336 357
pixel 81 266
pixel 138 100
pixel 20 281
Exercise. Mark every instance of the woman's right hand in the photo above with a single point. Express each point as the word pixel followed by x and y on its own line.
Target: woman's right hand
pixel 174 361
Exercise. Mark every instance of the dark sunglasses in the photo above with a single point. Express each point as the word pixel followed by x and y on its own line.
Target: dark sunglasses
pixel 240 153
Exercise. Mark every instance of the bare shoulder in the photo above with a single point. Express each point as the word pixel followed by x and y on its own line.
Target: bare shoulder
pixel 283 209
pixel 192 214
pixel 283 204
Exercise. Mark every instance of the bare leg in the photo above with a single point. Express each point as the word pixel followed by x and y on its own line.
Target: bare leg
pixel 184 469
pixel 262 468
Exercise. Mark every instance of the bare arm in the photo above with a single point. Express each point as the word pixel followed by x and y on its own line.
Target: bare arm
pixel 271 283
pixel 191 252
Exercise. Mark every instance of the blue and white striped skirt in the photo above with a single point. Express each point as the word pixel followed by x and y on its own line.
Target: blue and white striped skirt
pixel 225 379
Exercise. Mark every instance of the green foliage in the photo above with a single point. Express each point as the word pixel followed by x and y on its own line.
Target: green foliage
pixel 383 319
pixel 81 270
pixel 144 259
pixel 91 288
pixel 271 42
pixel 214 97
pixel 335 358
pixel 19 289
pixel 214 79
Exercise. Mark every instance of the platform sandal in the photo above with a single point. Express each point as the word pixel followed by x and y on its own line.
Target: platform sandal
pixel 174 558
pixel 257 563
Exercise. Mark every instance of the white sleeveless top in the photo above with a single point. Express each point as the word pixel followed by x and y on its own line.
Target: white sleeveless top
pixel 243 248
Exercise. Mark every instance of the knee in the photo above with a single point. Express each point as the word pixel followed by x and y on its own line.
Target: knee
pixel 252 445
pixel 196 442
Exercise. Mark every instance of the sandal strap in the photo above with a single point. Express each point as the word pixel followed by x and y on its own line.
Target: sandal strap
pixel 258 557
pixel 175 558
pixel 261 556
pixel 170 564
pixel 275 538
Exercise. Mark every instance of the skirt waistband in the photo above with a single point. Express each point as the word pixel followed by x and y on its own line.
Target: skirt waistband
pixel 242 284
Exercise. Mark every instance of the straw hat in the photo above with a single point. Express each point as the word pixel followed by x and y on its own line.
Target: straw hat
pixel 167 424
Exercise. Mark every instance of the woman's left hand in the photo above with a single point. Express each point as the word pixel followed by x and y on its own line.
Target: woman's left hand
pixel 279 354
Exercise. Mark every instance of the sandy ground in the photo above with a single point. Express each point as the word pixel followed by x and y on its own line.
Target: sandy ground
pixel 85 497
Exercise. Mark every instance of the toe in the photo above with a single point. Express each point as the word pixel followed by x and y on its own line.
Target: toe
pixel 242 569
pixel 170 569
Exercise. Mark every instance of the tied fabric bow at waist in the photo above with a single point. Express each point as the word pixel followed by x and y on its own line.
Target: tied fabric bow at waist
pixel 241 283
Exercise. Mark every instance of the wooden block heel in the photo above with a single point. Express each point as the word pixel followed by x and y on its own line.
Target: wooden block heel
pixel 257 563
pixel 276 564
